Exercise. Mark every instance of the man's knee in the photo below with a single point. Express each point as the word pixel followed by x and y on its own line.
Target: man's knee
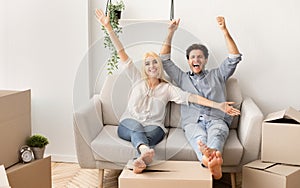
pixel 219 129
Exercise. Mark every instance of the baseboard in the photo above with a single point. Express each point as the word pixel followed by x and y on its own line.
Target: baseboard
pixel 63 158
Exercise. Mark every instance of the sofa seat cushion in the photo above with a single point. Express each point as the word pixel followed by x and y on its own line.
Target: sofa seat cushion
pixel 178 148
pixel 233 149
pixel 108 146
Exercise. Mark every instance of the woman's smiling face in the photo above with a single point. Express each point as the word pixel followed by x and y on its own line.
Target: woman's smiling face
pixel 152 67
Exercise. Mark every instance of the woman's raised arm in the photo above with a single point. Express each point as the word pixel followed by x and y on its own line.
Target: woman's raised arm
pixel 105 21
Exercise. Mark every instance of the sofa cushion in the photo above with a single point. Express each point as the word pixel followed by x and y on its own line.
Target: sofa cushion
pixel 108 146
pixel 233 149
pixel 178 148
pixel 114 97
pixel 175 118
pixel 233 94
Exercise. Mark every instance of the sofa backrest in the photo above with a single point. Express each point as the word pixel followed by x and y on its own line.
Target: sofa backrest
pixel 234 94
pixel 114 97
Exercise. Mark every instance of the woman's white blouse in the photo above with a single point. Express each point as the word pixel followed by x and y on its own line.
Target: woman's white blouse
pixel 146 105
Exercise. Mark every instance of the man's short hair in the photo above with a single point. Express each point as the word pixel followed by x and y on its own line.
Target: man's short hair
pixel 197 47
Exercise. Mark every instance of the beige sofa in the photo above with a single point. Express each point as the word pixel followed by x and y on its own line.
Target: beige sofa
pixel 98 145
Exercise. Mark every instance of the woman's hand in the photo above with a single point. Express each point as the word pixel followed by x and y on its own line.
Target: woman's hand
pixel 227 108
pixel 104 20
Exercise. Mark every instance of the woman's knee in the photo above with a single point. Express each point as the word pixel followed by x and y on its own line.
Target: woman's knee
pixel 155 135
pixel 123 132
pixel 132 125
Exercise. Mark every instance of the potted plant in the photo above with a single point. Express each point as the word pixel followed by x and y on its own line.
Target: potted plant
pixel 115 10
pixel 37 143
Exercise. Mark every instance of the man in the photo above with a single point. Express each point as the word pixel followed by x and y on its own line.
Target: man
pixel 205 128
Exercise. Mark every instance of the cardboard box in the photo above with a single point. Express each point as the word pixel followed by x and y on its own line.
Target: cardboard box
pixel 258 174
pixel 281 137
pixel 15 124
pixel 3 178
pixel 168 174
pixel 36 174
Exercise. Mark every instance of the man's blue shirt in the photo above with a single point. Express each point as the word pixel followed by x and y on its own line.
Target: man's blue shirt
pixel 209 84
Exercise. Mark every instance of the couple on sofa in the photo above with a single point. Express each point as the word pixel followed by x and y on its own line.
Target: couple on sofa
pixel 205 114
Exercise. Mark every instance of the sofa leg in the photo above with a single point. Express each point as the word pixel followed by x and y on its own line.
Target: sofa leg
pixel 101 175
pixel 232 176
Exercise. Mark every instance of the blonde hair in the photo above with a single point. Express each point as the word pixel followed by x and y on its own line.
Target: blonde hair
pixel 161 74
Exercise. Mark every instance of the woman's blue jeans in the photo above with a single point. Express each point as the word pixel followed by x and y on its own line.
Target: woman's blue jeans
pixel 134 132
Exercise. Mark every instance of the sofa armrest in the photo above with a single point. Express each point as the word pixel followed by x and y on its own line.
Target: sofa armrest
pixel 87 123
pixel 249 130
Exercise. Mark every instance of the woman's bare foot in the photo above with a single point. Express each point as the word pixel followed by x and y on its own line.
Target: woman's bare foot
pixel 215 164
pixel 144 159
pixel 138 166
pixel 147 156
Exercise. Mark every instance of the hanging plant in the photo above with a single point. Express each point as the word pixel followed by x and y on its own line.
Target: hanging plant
pixel 114 15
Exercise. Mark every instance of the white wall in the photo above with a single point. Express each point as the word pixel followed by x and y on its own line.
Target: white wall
pixel 44 43
pixel 266 32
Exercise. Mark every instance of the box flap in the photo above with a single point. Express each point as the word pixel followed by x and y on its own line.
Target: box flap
pixel 289 113
pixel 260 165
pixel 130 166
pixel 153 167
pixel 7 92
pixel 3 177
pixel 283 169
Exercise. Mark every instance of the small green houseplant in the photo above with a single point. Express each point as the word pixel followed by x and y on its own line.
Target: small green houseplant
pixel 115 10
pixel 37 143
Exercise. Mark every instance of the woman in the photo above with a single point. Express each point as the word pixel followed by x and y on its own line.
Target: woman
pixel 142 122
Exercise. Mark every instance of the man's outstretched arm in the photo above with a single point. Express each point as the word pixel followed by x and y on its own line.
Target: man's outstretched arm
pixel 231 46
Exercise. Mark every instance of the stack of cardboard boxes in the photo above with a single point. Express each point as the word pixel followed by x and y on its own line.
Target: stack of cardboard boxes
pixel 279 166
pixel 15 128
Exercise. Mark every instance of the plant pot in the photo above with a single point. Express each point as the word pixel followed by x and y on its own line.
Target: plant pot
pixel 118 14
pixel 38 152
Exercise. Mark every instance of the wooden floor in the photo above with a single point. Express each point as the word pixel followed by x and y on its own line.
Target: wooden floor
pixel 70 175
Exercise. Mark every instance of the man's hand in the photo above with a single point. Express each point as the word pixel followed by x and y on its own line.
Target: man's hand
pixel 104 20
pixel 221 22
pixel 174 25
pixel 227 108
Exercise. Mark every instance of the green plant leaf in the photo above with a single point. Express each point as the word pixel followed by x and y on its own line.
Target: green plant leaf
pixel 112 62
pixel 37 140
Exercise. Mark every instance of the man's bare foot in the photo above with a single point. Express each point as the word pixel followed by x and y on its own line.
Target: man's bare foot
pixel 138 166
pixel 205 150
pixel 215 164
